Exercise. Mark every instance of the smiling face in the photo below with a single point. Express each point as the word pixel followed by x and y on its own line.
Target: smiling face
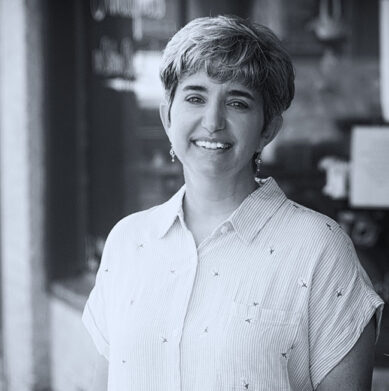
pixel 215 128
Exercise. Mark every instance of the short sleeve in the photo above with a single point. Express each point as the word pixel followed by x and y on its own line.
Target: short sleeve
pixel 95 312
pixel 342 302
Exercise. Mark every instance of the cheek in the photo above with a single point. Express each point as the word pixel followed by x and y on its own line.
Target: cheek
pixel 257 132
pixel 252 134
pixel 181 126
pixel 179 136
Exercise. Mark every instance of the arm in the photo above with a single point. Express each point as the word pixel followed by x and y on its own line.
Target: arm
pixel 100 378
pixel 354 372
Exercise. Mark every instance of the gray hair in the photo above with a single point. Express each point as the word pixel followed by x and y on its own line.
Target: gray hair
pixel 231 48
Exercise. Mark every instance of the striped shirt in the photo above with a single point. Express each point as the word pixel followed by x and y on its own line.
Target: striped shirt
pixel 272 300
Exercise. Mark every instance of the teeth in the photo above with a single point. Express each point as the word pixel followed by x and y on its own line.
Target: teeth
pixel 210 145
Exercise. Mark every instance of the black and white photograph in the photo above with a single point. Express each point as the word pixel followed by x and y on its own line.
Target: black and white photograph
pixel 194 195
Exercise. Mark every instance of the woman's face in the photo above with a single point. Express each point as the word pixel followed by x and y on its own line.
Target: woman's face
pixel 215 128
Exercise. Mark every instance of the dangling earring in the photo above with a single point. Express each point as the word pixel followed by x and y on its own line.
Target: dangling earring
pixel 258 162
pixel 172 154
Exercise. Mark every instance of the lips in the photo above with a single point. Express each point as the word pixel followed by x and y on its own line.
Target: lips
pixel 212 144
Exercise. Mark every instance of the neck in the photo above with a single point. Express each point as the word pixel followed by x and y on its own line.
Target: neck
pixel 215 198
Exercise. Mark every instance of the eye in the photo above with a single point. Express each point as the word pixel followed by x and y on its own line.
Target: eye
pixel 194 99
pixel 238 104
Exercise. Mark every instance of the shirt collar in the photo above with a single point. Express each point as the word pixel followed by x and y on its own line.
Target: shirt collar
pixel 257 209
pixel 168 212
pixel 248 219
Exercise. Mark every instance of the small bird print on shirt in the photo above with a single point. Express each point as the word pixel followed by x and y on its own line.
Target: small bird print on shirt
pixel 302 283
pixel 245 384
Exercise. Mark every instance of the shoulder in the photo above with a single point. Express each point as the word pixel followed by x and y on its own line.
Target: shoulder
pixel 308 224
pixel 127 235
pixel 315 238
pixel 135 226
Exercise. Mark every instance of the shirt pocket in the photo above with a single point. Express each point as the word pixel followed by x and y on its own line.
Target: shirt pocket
pixel 262 315
pixel 256 347
pixel 259 327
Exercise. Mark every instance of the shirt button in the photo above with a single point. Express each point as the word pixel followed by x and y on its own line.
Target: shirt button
pixel 224 229
pixel 176 333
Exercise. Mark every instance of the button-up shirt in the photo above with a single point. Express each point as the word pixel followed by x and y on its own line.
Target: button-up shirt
pixel 272 300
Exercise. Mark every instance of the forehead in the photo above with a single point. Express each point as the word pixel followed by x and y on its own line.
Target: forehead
pixel 201 80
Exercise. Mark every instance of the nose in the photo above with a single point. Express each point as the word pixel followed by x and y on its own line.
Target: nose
pixel 213 118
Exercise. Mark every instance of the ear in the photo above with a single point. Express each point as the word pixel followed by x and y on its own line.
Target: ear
pixel 270 131
pixel 164 115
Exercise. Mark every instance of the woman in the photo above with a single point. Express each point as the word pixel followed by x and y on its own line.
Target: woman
pixel 229 285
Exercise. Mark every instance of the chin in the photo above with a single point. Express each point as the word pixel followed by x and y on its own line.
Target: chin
pixel 211 172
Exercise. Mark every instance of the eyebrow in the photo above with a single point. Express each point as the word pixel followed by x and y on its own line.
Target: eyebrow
pixel 241 93
pixel 234 92
pixel 195 88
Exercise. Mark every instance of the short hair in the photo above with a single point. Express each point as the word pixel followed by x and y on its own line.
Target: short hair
pixel 231 48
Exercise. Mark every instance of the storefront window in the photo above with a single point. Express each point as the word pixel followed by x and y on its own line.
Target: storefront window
pixel 129 166
pixel 108 152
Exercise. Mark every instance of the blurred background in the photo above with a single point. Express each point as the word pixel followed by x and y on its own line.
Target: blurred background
pixel 82 146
